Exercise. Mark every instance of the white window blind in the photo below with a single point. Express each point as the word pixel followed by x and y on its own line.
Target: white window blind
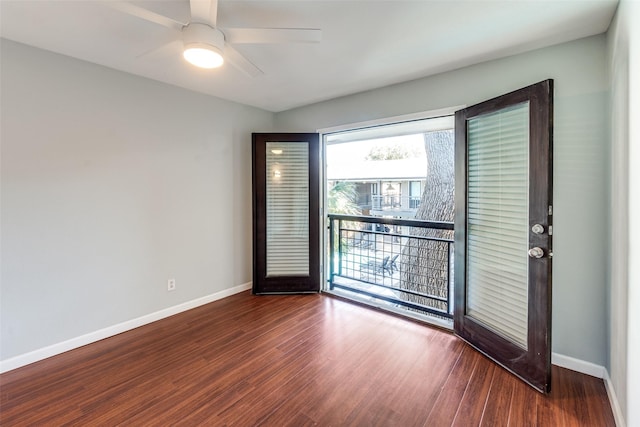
pixel 497 221
pixel 287 208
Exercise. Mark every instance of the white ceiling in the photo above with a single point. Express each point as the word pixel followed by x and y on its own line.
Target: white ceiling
pixel 365 44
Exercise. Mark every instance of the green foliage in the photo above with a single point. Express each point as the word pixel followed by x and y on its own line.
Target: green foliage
pixel 341 199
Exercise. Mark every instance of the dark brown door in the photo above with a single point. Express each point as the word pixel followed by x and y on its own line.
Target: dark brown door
pixel 503 230
pixel 286 213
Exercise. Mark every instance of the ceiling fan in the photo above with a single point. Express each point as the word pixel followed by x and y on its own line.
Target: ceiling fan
pixel 206 45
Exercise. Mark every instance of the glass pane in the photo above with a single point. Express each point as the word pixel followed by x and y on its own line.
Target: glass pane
pixel 497 221
pixel 415 189
pixel 287 209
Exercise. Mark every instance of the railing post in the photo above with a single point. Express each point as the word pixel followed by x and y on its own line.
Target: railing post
pixel 340 247
pixel 331 252
pixel 449 284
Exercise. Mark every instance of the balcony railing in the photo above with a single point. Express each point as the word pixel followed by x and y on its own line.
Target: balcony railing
pixel 388 202
pixel 402 262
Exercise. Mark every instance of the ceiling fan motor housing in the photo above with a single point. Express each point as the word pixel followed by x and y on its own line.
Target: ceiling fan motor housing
pixel 196 35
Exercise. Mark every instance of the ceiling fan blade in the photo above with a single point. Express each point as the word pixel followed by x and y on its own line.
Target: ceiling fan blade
pixel 236 59
pixel 272 35
pixel 167 49
pixel 145 14
pixel 204 11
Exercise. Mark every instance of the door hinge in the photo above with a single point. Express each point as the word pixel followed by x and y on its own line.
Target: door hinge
pixel 550 209
pixel 551 230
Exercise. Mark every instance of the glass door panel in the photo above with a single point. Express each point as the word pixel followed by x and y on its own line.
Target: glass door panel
pixel 287 208
pixel 498 209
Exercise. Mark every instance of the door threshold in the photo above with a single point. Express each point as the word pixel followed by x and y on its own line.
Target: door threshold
pixel 422 318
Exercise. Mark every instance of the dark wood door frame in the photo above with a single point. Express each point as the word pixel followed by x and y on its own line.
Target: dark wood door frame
pixel 284 284
pixel 534 364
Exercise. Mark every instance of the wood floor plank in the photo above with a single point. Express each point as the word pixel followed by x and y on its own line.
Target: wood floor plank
pixel 474 400
pixel 448 402
pixel 524 406
pixel 498 404
pixel 426 378
pixel 297 360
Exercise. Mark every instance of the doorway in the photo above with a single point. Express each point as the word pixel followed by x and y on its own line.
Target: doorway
pixel 390 212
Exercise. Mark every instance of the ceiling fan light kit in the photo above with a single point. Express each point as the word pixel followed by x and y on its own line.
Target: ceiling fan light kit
pixel 206 46
pixel 203 45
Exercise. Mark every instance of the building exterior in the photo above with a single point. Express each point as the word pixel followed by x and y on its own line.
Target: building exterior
pixel 384 187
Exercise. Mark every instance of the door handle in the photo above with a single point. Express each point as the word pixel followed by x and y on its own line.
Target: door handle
pixel 537 229
pixel 536 252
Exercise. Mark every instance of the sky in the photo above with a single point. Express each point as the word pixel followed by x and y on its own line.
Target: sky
pixel 358 150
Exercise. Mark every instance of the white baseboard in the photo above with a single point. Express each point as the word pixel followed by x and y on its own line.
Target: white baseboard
pixel 55 349
pixel 578 365
pixel 613 399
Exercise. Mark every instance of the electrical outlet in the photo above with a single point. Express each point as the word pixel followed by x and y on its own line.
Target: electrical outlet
pixel 171 285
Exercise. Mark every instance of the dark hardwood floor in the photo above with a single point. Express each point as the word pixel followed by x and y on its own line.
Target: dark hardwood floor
pixel 289 361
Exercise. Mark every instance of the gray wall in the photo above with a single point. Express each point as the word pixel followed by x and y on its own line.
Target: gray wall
pixel 632 13
pixel 624 297
pixel 111 184
pixel 618 50
pixel 580 169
